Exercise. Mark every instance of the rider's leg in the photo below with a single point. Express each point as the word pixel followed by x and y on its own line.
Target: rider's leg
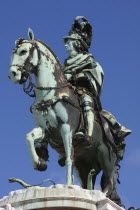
pixel 36 134
pixel 89 117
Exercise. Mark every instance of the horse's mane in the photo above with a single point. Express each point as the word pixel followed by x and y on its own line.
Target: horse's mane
pixel 58 62
pixel 50 51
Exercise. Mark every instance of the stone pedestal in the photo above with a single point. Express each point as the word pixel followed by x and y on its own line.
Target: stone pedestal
pixel 58 197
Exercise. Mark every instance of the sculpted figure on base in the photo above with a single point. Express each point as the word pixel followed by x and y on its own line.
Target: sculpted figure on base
pixel 86 74
pixel 67 109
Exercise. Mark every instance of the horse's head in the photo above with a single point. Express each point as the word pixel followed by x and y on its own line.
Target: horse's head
pixel 24 59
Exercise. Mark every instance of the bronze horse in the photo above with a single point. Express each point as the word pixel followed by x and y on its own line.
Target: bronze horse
pixel 58 115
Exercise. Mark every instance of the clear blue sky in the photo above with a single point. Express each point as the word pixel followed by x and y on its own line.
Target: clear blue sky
pixel 116 46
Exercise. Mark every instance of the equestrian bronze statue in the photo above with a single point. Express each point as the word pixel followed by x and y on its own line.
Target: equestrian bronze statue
pixel 67 110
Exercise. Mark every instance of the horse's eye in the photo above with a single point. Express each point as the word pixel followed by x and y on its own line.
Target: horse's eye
pixel 23 52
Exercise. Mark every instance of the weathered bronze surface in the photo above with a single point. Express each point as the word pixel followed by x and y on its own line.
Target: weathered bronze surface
pixel 67 109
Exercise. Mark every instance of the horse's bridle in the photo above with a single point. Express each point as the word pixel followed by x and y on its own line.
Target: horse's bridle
pixel 25 68
pixel 26 74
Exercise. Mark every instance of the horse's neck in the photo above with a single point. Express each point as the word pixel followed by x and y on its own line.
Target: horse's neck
pixel 47 77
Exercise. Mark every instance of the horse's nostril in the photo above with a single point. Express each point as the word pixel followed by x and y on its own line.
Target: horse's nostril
pixel 14 73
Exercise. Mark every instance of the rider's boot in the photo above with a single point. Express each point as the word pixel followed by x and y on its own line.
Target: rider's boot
pixel 89 117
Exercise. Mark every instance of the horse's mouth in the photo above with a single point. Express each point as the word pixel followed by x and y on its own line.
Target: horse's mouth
pixel 24 78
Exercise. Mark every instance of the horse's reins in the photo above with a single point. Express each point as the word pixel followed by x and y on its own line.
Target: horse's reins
pixel 31 85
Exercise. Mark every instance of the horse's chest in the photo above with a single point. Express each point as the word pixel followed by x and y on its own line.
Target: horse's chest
pixel 51 117
pixel 45 119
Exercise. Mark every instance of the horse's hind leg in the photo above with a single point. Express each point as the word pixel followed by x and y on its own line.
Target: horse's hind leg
pixel 107 162
pixel 108 184
pixel 67 141
pixel 113 195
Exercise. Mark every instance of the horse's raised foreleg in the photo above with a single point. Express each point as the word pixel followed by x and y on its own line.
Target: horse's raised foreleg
pixel 67 141
pixel 36 134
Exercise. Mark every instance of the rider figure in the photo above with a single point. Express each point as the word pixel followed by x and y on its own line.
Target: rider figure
pixel 84 72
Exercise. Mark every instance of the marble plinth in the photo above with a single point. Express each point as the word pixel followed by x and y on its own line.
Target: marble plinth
pixel 58 197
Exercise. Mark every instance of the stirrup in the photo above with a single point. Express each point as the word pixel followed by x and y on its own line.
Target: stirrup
pixel 85 137
pixel 80 135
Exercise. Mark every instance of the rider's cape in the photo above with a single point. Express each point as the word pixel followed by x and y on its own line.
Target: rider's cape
pixel 83 71
pixel 90 69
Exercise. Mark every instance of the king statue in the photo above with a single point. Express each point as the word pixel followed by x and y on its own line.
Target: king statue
pixel 67 109
pixel 87 76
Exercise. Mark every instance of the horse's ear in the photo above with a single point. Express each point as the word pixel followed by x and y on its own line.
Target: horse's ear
pixel 30 34
pixel 16 42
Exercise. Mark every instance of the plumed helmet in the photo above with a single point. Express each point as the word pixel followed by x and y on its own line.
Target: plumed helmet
pixel 82 31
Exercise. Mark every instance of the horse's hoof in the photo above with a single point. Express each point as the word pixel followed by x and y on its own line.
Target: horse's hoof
pixel 92 172
pixel 41 166
pixel 61 161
